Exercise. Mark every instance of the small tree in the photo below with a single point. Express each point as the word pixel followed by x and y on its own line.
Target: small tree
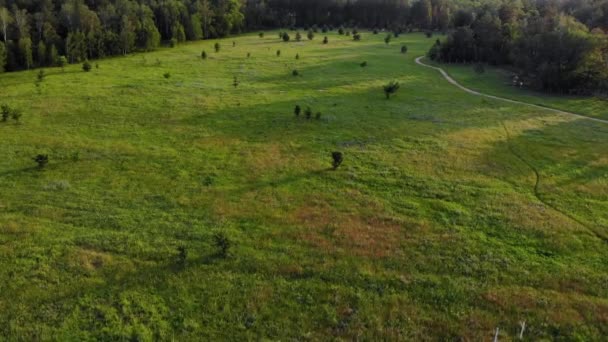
pixel 364 64
pixel 341 30
pixel 86 66
pixel 41 160
pixel 248 54
pixel 182 256
pixel 298 36
pixel 167 75
pixel 404 49
pixel 308 113
pixel 391 88
pixel 337 159
pixel 310 35
pixel 387 39
pixel 235 82
pixel 295 72
pixel 396 34
pixel 375 31
pixel 325 40
pixel 318 116
pixel 223 244
pixel 61 62
pixel 297 56
pixel 217 47
pixel 261 34
pixel 16 115
pixel 40 76
pixel 297 110
pixel 6 112
pixel 429 34
pixel 278 53
pixel 357 37
pixel 347 33
pixel 233 43
pixel 204 54
pixel 286 37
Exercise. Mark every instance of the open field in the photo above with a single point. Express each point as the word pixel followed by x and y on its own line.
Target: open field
pixel 452 215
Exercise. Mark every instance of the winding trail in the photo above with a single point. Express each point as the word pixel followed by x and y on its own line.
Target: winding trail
pixel 473 92
pixel 511 148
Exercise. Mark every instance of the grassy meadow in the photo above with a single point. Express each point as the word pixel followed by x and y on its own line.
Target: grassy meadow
pixel 452 215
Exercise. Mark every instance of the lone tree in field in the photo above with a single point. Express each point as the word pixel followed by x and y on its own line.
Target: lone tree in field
pixel 325 40
pixel 86 66
pixel 337 159
pixel 217 47
pixel 61 62
pixel 278 53
pixel 204 54
pixel 41 160
pixel 295 72
pixel 297 110
pixel 357 36
pixel 286 37
pixel 387 39
pixel 40 76
pixel 341 30
pixel 297 56
pixel 223 244
pixel 391 88
pixel 404 49
pixel 310 35
pixel 261 34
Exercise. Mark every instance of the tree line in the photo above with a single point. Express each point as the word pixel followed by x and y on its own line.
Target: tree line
pixel 557 46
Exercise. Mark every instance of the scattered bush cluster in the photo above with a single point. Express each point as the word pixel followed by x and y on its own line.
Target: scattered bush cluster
pixel 308 113
pixel 10 113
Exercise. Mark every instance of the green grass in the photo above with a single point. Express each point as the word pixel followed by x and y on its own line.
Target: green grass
pixel 497 81
pixel 451 215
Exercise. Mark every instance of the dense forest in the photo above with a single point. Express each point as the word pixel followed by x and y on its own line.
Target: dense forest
pixel 555 46
pixel 558 45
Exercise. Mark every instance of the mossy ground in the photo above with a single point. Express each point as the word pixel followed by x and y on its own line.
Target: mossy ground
pixel 450 216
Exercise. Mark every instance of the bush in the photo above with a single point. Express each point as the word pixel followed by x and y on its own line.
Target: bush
pixel 261 34
pixel 429 34
pixel 404 49
pixel 341 30
pixel 387 39
pixel 337 159
pixel 248 54
pixel 324 29
pixel 6 112
pixel 298 36
pixel 391 88
pixel 40 76
pixel 223 244
pixel 204 54
pixel 297 56
pixel 310 35
pixel 347 33
pixel 182 256
pixel 375 31
pixel 233 43
pixel 62 61
pixel 173 43
pixel 167 75
pixel 396 34
pixel 297 110
pixel 295 72
pixel 318 116
pixel 16 115
pixel 308 113
pixel 235 82
pixel 217 47
pixel 364 64
pixel 357 37
pixel 86 66
pixel 278 53
pixel 286 37
pixel 41 160
pixel 325 40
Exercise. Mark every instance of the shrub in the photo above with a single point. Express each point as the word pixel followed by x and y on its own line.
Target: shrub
pixel 96 65
pixel 173 43
pixel 248 54
pixel 404 49
pixel 355 31
pixel 16 115
pixel 298 36
pixel 325 40
pixel 391 88
pixel 217 47
pixel 310 35
pixel 261 34
pixel 375 31
pixel 341 30
pixel 223 244
pixel 204 54
pixel 297 56
pixel 40 76
pixel 308 113
pixel 479 68
pixel 235 82
pixel 297 110
pixel 337 159
pixel 387 39
pixel 429 34
pixel 278 53
pixel 281 35
pixel 41 160
pixel 286 37
pixel 295 72
pixel 357 37
pixel 61 62
pixel 364 64
pixel 318 116
pixel 182 256
pixel 347 33
pixel 6 112
pixel 396 34
pixel 324 29
pixel 233 43
pixel 166 75
pixel 86 66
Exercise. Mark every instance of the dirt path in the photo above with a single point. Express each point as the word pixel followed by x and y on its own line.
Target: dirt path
pixel 470 91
